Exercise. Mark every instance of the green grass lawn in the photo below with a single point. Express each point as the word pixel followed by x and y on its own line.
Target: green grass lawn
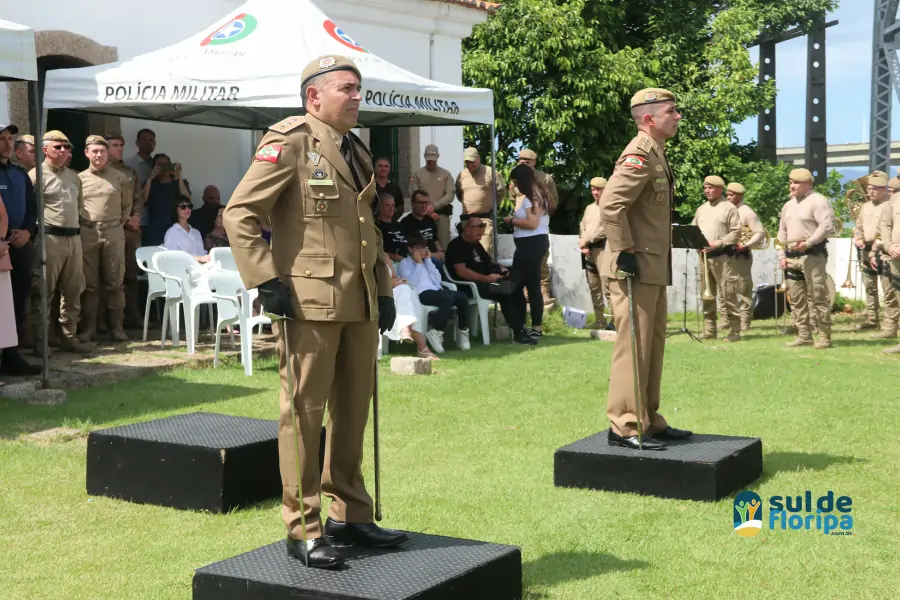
pixel 468 452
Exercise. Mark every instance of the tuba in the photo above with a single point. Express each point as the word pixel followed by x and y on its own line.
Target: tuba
pixel 854 198
pixel 747 234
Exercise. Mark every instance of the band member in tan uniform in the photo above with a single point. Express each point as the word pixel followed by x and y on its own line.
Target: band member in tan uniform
pixel 63 203
pixel 592 242
pixel 873 268
pixel 312 179
pixel 743 263
pixel 438 183
pixel 889 228
pixel 806 221
pixel 108 195
pixel 721 226
pixel 637 216
pixel 473 188
pixel 132 229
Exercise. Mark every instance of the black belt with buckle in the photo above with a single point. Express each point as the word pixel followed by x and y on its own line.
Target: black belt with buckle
pixel 594 245
pixel 62 231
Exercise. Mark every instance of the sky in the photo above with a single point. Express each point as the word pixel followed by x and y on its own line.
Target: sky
pixel 848 65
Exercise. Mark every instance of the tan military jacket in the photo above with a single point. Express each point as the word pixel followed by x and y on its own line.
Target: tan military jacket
pixel 108 195
pixel 889 228
pixel 325 244
pixel 719 222
pixel 591 228
pixel 63 200
pixel 439 186
pixel 474 191
pixel 636 207
pixel 867 221
pixel 809 219
pixel 749 219
pixel 137 204
pixel 547 179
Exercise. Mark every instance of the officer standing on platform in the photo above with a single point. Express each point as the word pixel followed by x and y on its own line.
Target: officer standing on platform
pixel 806 221
pixel 889 228
pixel 438 183
pixel 313 180
pixel 637 216
pixel 473 188
pixel 132 230
pixel 108 195
pixel 592 241
pixel 864 234
pixel 63 203
pixel 743 263
pixel 721 226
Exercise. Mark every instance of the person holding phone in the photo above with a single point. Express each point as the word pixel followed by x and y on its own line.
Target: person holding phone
pixel 161 194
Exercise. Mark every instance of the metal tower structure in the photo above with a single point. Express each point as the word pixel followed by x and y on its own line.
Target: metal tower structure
pixel 885 73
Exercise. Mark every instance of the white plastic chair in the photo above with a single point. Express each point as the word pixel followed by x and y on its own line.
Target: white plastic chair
pixel 156 286
pixel 175 268
pixel 385 341
pixel 481 305
pixel 224 257
pixel 234 306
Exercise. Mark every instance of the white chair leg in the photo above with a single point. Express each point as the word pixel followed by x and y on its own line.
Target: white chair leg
pixel 247 349
pixel 483 317
pixel 175 316
pixel 165 323
pixel 191 324
pixel 146 317
pixel 218 340
pixel 210 319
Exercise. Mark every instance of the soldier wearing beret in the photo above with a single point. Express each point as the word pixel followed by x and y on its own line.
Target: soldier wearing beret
pixel 875 266
pixel 24 149
pixel 473 188
pixel 108 196
pixel 721 226
pixel 592 241
pixel 636 210
pixel 806 220
pixel 63 203
pixel 889 228
pixel 743 264
pixel 313 180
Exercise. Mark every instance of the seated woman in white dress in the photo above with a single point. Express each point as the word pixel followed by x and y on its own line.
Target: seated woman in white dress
pixel 410 322
pixel 181 236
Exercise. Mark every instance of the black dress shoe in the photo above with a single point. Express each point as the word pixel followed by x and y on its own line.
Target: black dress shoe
pixel 522 337
pixel 321 556
pixel 632 442
pixel 368 535
pixel 670 433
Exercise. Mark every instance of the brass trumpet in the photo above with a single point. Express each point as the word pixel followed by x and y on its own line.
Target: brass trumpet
pixel 780 289
pixel 707 291
pixel 854 199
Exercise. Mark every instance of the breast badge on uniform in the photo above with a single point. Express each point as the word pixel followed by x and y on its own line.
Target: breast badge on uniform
pixel 314 157
pixel 659 168
pixel 321 206
pixel 268 153
pixel 319 174
pixel 635 162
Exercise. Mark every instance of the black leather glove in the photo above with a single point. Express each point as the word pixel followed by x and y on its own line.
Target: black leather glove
pixel 627 265
pixel 387 313
pixel 275 298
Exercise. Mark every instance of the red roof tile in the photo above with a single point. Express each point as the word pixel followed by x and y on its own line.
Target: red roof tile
pixel 489 7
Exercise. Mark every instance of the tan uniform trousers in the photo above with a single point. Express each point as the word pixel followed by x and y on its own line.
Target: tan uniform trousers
pixel 650 308
pixel 891 312
pixel 333 361
pixel 810 296
pixel 65 274
pixel 132 302
pixel 724 282
pixel 743 269
pixel 599 287
pixel 104 269
pixel 870 283
pixel 443 229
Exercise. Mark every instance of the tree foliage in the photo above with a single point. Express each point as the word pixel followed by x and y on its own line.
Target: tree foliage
pixel 563 72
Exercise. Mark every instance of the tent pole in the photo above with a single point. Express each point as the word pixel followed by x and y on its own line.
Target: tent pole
pixel 37 118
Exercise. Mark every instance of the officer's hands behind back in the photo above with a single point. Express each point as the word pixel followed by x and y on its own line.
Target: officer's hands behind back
pixel 275 298
pixel 626 264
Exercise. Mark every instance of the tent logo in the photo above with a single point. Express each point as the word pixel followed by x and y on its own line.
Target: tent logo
pixel 338 34
pixel 234 30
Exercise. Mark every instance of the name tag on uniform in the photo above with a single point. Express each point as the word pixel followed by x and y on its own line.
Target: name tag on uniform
pixel 321 182
pixel 2 186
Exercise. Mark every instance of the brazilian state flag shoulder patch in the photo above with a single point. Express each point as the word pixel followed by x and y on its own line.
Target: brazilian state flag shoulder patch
pixel 634 161
pixel 268 153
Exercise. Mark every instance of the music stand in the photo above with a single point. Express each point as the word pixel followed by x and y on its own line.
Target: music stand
pixel 688 237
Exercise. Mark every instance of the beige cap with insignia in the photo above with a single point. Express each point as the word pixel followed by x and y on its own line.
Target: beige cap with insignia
pixel 598 182
pixel 801 176
pixel 470 154
pixel 714 180
pixel 26 139
pixel 879 174
pixel 54 135
pixel 327 64
pixel 894 183
pixel 96 139
pixel 431 150
pixel 736 188
pixel 878 181
pixel 651 96
pixel 528 154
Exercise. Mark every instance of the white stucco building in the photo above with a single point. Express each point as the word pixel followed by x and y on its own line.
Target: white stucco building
pixel 422 36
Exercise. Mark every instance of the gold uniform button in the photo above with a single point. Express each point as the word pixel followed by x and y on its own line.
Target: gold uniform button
pixel 307 272
pixel 321 195
pixel 365 243
pixel 362 219
pixel 364 265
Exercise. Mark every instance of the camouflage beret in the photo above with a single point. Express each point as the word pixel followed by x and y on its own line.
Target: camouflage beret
pixel 801 176
pixel 736 188
pixel 651 96
pixel 715 180
pixel 328 64
pixel 96 139
pixel 528 154
pixel 598 182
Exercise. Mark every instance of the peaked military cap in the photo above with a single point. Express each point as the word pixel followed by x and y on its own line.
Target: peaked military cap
pixel 328 64
pixel 651 96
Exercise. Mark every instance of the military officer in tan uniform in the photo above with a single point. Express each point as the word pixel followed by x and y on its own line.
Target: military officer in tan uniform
pixel 314 181
pixel 529 157
pixel 473 188
pixel 592 242
pixel 806 221
pixel 893 186
pixel 63 203
pixel 636 209
pixel 721 226
pixel 108 195
pixel 743 253
pixel 889 228
pixel 438 183
pixel 870 262
pixel 132 230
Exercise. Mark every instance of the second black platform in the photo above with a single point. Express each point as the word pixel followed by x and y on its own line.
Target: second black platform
pixel 704 467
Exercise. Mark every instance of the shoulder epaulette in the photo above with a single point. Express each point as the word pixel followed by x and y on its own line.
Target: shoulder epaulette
pixel 645 144
pixel 288 124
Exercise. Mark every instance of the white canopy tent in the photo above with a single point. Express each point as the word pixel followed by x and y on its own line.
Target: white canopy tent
pixel 244 72
pixel 18 61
